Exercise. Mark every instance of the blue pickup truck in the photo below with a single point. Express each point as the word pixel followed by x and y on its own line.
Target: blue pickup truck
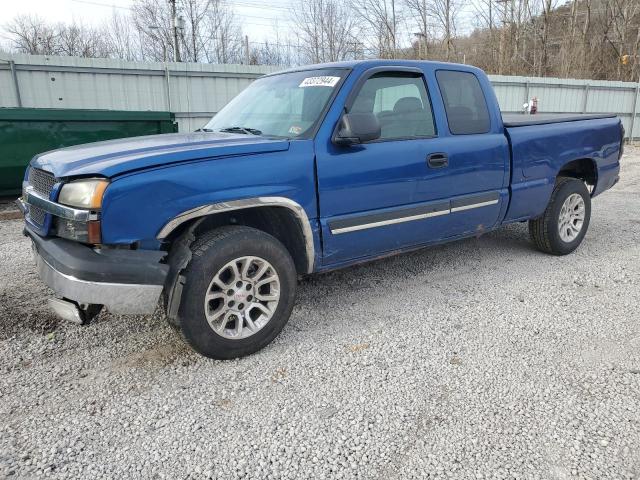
pixel 307 170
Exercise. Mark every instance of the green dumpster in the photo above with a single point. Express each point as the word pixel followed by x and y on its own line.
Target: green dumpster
pixel 25 132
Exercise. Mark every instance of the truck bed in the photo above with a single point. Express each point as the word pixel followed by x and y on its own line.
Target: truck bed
pixel 542 144
pixel 522 120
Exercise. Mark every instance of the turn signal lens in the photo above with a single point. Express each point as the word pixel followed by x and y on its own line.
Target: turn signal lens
pixel 85 232
pixel 94 236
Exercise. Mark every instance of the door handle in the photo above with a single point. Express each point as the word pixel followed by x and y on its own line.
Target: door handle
pixel 438 160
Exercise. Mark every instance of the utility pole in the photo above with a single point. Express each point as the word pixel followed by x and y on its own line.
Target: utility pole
pixel 503 9
pixel 393 19
pixel 174 18
pixel 422 38
pixel 246 50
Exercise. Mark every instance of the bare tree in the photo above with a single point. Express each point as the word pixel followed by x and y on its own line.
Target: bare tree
pixel 437 20
pixel 326 30
pixel 221 35
pixel 486 22
pixel 31 34
pixel 622 14
pixel 445 12
pixel 380 20
pixel 152 20
pixel 210 34
pixel 271 53
pixel 421 13
pixel 569 48
pixel 195 12
pixel 121 37
pixel 78 40
pixel 635 76
pixel 541 11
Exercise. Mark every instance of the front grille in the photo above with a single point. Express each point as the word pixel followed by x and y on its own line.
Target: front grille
pixel 43 183
pixel 36 215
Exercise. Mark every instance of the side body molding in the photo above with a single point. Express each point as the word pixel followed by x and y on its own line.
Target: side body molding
pixel 244 203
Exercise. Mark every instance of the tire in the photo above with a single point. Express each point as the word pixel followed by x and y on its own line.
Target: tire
pixel 214 255
pixel 545 231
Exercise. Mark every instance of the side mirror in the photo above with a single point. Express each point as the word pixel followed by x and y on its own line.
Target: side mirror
pixel 355 128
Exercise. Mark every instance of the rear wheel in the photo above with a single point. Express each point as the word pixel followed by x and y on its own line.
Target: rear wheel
pixel 239 292
pixel 565 221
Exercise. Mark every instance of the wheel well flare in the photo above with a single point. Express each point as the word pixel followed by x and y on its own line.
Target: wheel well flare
pixel 280 217
pixel 584 169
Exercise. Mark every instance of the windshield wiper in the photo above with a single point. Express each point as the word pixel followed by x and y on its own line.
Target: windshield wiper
pixel 204 130
pixel 245 130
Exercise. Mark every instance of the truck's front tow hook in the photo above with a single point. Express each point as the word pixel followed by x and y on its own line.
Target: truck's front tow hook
pixel 72 312
pixel 66 310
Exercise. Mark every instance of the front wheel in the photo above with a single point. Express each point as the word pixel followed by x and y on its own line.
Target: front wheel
pixel 239 292
pixel 565 221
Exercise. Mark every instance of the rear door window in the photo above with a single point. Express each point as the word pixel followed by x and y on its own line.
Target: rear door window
pixel 464 102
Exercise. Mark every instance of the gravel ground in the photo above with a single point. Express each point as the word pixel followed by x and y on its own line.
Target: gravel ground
pixel 478 359
pixel 7 204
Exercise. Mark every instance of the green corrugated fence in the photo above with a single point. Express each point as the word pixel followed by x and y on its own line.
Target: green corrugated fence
pixel 25 132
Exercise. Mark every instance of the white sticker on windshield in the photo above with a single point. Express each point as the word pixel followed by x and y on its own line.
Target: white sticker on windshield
pixel 319 82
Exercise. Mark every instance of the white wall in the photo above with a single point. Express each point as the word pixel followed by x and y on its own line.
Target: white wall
pixel 195 92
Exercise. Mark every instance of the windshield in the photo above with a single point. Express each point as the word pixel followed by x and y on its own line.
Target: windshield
pixel 286 105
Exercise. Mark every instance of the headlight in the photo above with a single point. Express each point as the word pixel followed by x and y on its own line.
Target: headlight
pixel 83 193
pixel 87 194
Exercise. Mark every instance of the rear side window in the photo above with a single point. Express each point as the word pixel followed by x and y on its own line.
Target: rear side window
pixel 466 107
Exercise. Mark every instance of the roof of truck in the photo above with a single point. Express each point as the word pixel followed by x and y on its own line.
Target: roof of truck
pixel 372 63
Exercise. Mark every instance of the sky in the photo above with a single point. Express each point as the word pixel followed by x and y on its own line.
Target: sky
pixel 257 18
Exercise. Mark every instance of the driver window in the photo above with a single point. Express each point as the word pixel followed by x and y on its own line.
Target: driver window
pixel 401 103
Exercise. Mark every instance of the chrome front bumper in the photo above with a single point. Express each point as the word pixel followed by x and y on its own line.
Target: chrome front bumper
pixel 122 298
pixel 124 281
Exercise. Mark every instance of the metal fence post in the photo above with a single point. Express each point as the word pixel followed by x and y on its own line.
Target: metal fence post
pixel 635 112
pixel 166 74
pixel 16 86
pixel 586 98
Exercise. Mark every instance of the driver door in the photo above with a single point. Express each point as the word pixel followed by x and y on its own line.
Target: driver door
pixel 370 200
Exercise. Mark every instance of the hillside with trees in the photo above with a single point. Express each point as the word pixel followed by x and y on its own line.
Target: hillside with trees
pixel 598 39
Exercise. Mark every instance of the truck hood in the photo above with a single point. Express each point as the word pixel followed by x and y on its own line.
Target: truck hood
pixel 115 157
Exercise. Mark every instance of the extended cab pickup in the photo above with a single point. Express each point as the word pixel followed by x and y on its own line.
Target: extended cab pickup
pixel 307 170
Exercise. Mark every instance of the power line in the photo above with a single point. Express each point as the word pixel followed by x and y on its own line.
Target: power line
pixel 235 13
pixel 247 4
pixel 275 19
pixel 98 4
